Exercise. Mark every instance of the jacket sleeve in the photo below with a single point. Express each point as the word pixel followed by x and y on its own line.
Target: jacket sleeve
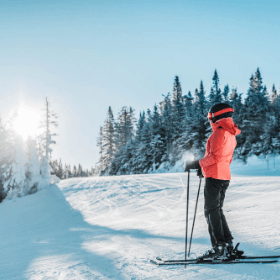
pixel 216 149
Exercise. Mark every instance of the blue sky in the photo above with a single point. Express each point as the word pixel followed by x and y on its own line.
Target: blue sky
pixel 89 55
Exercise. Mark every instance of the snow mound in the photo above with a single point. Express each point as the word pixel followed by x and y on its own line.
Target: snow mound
pixel 54 179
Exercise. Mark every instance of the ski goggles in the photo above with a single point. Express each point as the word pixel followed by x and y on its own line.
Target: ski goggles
pixel 211 115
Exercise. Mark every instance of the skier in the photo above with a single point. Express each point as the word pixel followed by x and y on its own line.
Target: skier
pixel 215 167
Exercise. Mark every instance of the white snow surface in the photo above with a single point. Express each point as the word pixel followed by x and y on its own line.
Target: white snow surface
pixel 110 227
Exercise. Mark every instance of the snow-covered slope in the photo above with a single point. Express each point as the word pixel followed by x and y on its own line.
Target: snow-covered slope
pixel 110 227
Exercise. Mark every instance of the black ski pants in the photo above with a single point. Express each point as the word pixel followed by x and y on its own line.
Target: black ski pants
pixel 214 195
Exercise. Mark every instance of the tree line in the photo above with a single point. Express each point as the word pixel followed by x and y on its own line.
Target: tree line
pixel 24 165
pixel 66 171
pixel 179 123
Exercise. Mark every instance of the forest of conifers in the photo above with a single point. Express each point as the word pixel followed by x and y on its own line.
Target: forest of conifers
pixel 179 123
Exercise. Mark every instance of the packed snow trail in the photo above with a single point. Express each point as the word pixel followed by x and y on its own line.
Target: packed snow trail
pixel 110 227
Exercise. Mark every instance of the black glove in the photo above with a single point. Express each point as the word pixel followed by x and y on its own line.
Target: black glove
pixel 192 165
pixel 199 172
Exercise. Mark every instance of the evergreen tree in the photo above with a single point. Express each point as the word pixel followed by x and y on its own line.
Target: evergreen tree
pixel 69 171
pixel 74 171
pixel 225 94
pixel 49 121
pixel 177 89
pixel 199 124
pixel 238 117
pixel 211 96
pixel 275 120
pixel 124 127
pixel 54 167
pixel 66 171
pixel 255 114
pixel 15 185
pixel 185 142
pixel 6 159
pixel 157 144
pixel 108 139
pixel 215 94
pixel 100 144
pixel 274 94
pixel 188 100
pixel 139 126
pixel 178 110
pixel 144 151
pixel 33 167
pixel 167 123
pixel 60 170
pixel 80 171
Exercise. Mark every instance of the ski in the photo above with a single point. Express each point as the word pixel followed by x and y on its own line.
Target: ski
pixel 239 258
pixel 236 261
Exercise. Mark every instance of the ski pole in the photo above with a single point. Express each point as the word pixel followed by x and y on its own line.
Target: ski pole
pixel 187 215
pixel 194 217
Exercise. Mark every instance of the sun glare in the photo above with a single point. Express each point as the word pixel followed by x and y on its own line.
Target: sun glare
pixel 27 122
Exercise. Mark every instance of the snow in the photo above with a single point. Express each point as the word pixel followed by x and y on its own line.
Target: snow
pixel 255 166
pixel 54 179
pixel 110 227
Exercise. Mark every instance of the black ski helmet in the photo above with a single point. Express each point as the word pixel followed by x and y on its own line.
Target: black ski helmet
pixel 220 111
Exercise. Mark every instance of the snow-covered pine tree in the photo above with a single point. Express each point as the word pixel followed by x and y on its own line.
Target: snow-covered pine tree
pixel 275 119
pixel 48 122
pixel 215 93
pixel 225 95
pixel 124 127
pixel 185 142
pixel 124 155
pixel 178 110
pixel 211 96
pixel 74 171
pixel 158 137
pixel 33 176
pixel 134 157
pixel 238 116
pixel 255 114
pixel 199 125
pixel 187 100
pixel 54 167
pixel 65 172
pixel 6 159
pixel 80 171
pixel 139 126
pixel 124 141
pixel 100 144
pixel 274 94
pixel 69 171
pixel 167 123
pixel 144 155
pixel 15 185
pixel 108 139
pixel 60 170
pixel 131 154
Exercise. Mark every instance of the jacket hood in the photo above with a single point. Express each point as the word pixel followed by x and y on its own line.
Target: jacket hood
pixel 227 124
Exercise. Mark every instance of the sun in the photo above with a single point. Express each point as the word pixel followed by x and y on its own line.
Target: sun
pixel 27 122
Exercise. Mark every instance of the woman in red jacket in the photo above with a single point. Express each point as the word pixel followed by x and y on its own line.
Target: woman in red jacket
pixel 215 167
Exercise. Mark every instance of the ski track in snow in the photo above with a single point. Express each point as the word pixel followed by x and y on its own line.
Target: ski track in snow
pixel 110 227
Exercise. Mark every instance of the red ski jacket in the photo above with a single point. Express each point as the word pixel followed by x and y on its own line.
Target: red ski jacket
pixel 219 150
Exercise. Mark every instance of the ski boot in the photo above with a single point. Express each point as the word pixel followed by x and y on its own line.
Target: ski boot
pixel 218 252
